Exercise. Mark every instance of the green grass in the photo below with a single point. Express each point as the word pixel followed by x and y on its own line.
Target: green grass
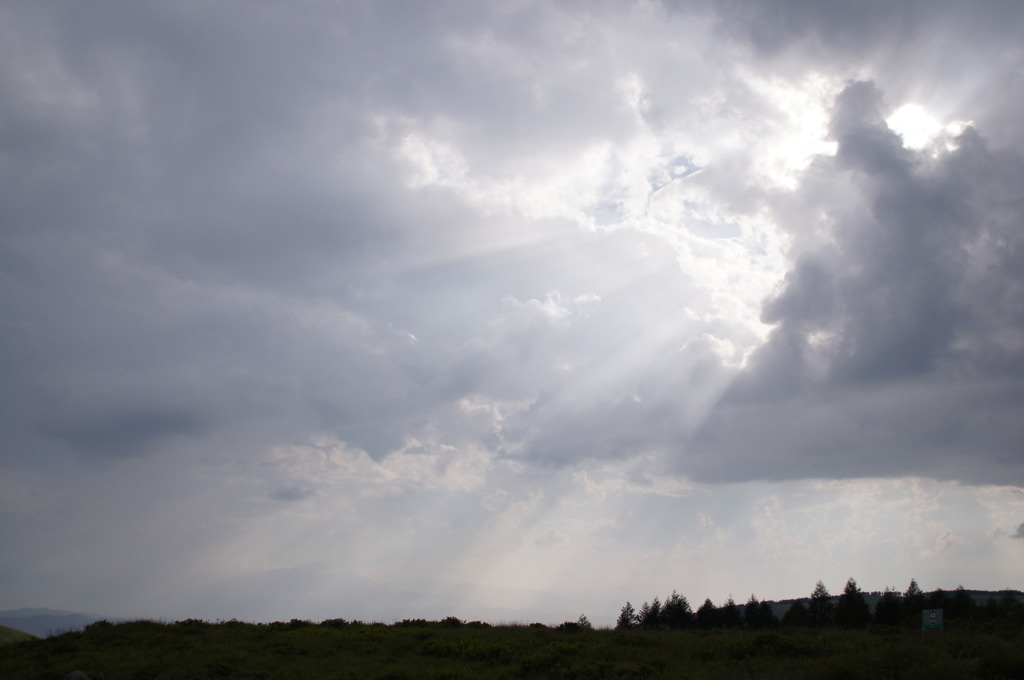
pixel 195 650
pixel 8 635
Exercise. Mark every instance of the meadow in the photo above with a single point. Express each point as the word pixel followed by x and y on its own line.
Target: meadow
pixel 452 650
pixel 8 635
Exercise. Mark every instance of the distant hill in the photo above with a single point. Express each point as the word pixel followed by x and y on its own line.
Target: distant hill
pixel 45 622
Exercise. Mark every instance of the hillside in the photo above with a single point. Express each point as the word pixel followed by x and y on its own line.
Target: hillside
pixel 9 635
pixel 43 622
pixel 456 650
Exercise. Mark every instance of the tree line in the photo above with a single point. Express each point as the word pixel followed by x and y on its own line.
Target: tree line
pixel 821 610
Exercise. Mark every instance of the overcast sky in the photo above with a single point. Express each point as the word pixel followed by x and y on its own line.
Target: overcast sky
pixel 506 310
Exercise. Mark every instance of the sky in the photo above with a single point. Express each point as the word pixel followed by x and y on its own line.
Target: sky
pixel 507 311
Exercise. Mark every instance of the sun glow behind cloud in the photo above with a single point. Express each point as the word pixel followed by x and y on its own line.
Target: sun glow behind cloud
pixel 665 182
pixel 919 130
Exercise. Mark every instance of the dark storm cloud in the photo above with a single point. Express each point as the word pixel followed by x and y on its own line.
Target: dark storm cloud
pixel 897 342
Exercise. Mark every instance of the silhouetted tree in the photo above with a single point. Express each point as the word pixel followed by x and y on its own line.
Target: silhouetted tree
pixel 653 619
pixel 651 615
pixel 936 599
pixel 1010 607
pixel 708 616
pixel 991 609
pixel 758 614
pixel 889 610
pixel 913 600
pixel 643 617
pixel 750 612
pixel 627 617
pixel 766 616
pixel 819 609
pixel 960 605
pixel 676 612
pixel 852 610
pixel 796 616
pixel 730 614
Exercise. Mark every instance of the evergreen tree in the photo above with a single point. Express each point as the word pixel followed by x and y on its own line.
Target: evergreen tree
pixel 1010 607
pixel 889 610
pixel 708 615
pixel 990 611
pixel 750 618
pixel 913 600
pixel 676 612
pixel 796 616
pixel 765 616
pixel 852 611
pixel 936 599
pixel 653 619
pixel 819 609
pixel 643 617
pixel 627 617
pixel 960 605
pixel 730 614
pixel 650 615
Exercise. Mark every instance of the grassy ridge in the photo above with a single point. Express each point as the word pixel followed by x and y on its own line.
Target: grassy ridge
pixel 336 651
pixel 8 635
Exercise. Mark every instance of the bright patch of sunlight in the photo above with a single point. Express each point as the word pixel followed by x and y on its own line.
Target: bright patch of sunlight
pixel 920 130
pixel 799 128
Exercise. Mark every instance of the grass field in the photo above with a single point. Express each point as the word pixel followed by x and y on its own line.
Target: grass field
pixel 192 650
pixel 8 635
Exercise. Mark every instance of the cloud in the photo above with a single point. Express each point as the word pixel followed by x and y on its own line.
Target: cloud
pixel 293 493
pixel 503 294
pixel 884 358
pixel 1020 531
pixel 551 538
pixel 199 277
